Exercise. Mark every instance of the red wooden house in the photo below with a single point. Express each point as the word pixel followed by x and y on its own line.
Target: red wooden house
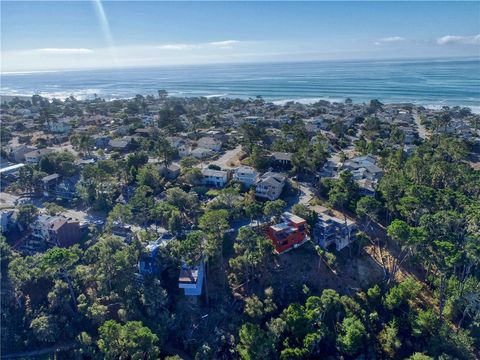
pixel 291 232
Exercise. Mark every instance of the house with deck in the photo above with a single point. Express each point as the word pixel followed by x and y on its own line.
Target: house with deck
pixel 289 233
pixel 215 178
pixel 245 175
pixel 191 279
pixel 330 230
pixel 270 185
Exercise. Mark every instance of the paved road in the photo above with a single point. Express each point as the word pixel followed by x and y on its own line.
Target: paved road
pixel 422 131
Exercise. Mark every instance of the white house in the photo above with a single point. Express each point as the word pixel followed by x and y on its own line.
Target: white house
pixel 17 153
pixel 365 172
pixel 34 157
pixel 183 147
pixel 217 178
pixel 209 142
pixel 245 175
pixel 60 127
pixel 201 153
pixel 270 185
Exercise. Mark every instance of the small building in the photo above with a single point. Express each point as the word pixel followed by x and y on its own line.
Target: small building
pixel 245 175
pixel 331 230
pixel 209 142
pixel 34 157
pixel 216 178
pixel 289 233
pixel 270 186
pixel 191 279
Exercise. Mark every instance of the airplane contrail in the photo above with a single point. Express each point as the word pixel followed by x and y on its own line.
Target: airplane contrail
pixel 107 33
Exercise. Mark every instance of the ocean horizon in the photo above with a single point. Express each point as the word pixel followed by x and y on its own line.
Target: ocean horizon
pixel 427 82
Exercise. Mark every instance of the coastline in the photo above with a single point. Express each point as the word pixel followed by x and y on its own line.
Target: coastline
pixel 305 101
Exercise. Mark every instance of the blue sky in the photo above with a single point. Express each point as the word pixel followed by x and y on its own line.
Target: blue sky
pixel 89 34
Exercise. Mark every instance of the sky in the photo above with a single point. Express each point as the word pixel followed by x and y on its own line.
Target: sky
pixel 59 35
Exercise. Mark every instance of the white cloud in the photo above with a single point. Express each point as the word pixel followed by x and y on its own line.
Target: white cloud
pixel 224 44
pixel 64 51
pixel 458 39
pixel 176 46
pixel 389 39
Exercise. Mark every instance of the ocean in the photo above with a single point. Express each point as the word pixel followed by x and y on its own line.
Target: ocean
pixel 428 82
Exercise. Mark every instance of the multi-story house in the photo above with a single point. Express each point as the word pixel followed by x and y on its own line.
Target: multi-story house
pixel 330 230
pixel 281 160
pixel 56 230
pixel 289 233
pixel 17 153
pixel 216 178
pixel 245 175
pixel 210 143
pixel 191 279
pixel 270 185
pixel 34 157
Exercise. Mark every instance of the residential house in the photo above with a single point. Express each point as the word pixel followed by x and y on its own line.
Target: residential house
pixel 145 132
pixel 67 187
pixel 60 127
pixel 191 279
pixel 121 144
pixel 210 143
pixel 170 172
pixel 365 172
pixel 148 262
pixel 17 153
pixel 101 141
pixel 245 175
pixel 289 233
pixel 281 160
pixel 34 157
pixel 270 185
pixel 148 120
pixel 330 230
pixel 201 153
pixel 121 230
pixel 50 182
pixel 183 147
pixel 56 230
pixel 216 178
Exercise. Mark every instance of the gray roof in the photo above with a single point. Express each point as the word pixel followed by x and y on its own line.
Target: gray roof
pixel 282 156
